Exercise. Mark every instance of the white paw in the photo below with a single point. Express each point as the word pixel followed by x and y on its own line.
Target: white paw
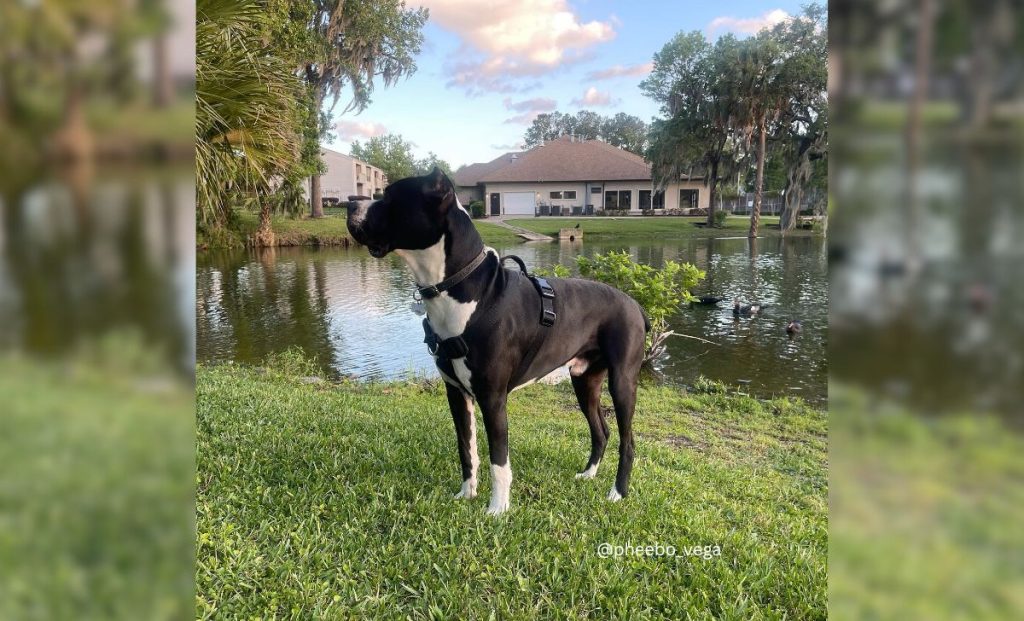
pixel 468 489
pixel 589 473
pixel 501 483
pixel 497 507
pixel 614 495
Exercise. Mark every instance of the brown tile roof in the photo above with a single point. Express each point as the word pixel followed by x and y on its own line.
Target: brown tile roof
pixel 569 160
pixel 470 175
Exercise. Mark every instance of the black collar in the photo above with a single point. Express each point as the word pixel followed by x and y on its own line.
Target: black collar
pixel 433 291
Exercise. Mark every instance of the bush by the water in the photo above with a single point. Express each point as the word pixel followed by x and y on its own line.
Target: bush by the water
pixel 659 292
pixel 720 217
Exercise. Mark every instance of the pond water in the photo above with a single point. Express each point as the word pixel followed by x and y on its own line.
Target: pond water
pixel 87 255
pixel 353 311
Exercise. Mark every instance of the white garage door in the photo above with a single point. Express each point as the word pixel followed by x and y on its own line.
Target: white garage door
pixel 519 203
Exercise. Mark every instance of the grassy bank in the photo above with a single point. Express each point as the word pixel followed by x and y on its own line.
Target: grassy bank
pixel 322 500
pixel 288 231
pixel 330 230
pixel 925 517
pixel 97 486
pixel 496 234
pixel 665 227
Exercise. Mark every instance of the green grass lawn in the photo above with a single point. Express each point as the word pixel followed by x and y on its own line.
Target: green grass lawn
pixel 925 518
pixel 668 226
pixel 330 230
pixel 496 234
pixel 324 500
pixel 303 231
pixel 97 486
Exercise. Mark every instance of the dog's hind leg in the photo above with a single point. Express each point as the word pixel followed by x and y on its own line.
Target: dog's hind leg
pixel 622 385
pixel 461 406
pixel 493 406
pixel 587 387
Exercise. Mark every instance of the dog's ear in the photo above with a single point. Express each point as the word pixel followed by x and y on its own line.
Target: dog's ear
pixel 440 187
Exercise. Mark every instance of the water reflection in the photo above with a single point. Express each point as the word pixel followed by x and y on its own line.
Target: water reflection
pixel 85 256
pixel 353 312
pixel 926 307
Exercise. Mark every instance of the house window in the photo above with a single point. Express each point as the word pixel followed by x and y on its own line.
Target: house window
pixel 650 199
pixel 595 189
pixel 611 200
pixel 569 194
pixel 618 199
pixel 688 199
pixel 556 195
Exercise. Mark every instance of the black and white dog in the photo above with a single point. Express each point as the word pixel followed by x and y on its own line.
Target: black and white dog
pixel 599 331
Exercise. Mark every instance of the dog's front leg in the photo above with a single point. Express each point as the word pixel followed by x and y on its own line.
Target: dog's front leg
pixel 496 422
pixel 461 406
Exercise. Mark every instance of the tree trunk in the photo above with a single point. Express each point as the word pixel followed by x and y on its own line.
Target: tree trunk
pixel 755 214
pixel 922 71
pixel 162 88
pixel 315 197
pixel 713 184
pixel 797 176
pixel 264 236
pixel 73 142
pixel 316 203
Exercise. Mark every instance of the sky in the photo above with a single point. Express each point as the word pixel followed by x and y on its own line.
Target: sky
pixel 488 67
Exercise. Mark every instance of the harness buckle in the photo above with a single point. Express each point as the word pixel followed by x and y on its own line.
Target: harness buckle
pixel 430 292
pixel 548 317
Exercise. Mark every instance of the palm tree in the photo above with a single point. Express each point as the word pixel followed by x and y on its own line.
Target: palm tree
pixel 759 102
pixel 246 110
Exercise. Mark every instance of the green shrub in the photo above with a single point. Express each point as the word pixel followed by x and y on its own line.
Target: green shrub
pixel 613 213
pixel 555 271
pixel 720 217
pixel 476 209
pixel 659 292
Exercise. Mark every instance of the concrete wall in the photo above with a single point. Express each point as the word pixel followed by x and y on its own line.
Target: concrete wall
pixel 468 194
pixel 346 176
pixel 542 190
pixel 584 196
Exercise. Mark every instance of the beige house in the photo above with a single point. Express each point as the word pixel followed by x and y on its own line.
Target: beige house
pixel 575 177
pixel 346 176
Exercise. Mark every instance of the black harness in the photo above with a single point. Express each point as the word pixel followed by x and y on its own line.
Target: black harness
pixel 455 347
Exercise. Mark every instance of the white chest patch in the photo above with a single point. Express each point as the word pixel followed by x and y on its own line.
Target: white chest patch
pixel 448 317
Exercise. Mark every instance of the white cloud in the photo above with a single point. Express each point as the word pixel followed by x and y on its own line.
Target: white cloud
pixel 594 97
pixel 748 25
pixel 514 38
pixel 618 71
pixel 528 109
pixel 354 130
pixel 523 119
pixel 541 104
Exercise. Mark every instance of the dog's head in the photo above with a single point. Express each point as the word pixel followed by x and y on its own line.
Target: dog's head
pixel 412 215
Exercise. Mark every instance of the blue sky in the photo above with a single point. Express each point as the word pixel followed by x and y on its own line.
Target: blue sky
pixel 489 66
